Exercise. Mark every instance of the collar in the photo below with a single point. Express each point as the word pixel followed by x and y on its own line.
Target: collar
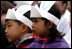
pixel 23 38
pixel 44 39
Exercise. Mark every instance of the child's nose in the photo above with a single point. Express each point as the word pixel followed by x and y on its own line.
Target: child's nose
pixel 33 25
pixel 6 31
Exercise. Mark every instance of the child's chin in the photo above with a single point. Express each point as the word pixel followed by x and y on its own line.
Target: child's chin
pixel 10 41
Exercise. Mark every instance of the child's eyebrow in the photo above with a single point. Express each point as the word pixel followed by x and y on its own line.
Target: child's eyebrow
pixel 8 23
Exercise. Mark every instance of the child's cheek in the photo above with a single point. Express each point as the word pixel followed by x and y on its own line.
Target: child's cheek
pixel 9 39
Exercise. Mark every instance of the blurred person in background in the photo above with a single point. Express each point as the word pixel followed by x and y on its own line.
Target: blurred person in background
pixel 69 8
pixel 63 25
pixel 69 5
pixel 5 5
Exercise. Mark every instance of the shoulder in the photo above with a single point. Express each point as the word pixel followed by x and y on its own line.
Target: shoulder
pixel 26 43
pixel 34 43
pixel 64 44
pixel 61 43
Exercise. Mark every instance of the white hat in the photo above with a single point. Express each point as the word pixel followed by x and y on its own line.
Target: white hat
pixel 25 2
pixel 43 11
pixel 18 14
pixel 19 3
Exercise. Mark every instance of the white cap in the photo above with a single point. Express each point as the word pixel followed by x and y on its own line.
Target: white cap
pixel 25 2
pixel 19 3
pixel 18 15
pixel 43 11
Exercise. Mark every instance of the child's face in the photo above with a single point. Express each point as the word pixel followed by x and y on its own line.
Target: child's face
pixel 13 31
pixel 39 27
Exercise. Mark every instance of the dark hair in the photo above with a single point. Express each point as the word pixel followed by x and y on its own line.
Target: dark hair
pixel 12 2
pixel 65 2
pixel 53 31
pixel 5 5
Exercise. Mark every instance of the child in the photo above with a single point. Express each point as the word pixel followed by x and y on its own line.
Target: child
pixel 18 26
pixel 44 26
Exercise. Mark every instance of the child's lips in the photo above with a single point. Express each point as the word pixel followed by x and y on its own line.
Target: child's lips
pixel 7 36
pixel 33 31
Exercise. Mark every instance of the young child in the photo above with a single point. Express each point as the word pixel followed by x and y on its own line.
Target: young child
pixel 18 26
pixel 44 25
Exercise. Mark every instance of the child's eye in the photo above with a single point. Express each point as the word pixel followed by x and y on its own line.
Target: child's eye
pixel 36 21
pixel 9 25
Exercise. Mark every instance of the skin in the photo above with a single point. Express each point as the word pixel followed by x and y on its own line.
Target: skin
pixel 14 31
pixel 3 19
pixel 34 3
pixel 69 6
pixel 61 7
pixel 39 27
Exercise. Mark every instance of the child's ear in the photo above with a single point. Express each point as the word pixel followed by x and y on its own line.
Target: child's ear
pixel 24 28
pixel 50 24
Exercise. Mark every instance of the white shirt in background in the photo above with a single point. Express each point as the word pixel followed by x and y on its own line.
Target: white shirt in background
pixel 64 27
